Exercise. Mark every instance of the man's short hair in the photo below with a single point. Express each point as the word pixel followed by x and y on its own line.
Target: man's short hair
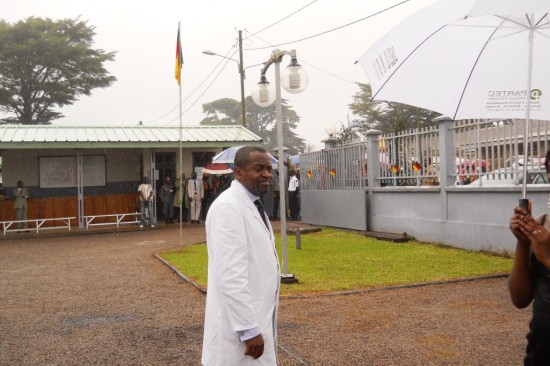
pixel 242 157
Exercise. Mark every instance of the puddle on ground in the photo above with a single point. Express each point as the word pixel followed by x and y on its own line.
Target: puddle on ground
pixel 151 242
pixel 87 320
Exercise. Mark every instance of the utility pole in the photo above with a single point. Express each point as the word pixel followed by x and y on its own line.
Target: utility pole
pixel 241 71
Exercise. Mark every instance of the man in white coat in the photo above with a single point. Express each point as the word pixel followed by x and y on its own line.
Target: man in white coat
pixel 240 325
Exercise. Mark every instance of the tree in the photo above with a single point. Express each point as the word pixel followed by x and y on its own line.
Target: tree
pixel 261 121
pixel 387 116
pixel 46 64
pixel 347 133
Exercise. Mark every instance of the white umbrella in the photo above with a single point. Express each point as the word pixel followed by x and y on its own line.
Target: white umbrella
pixel 468 59
pixel 228 156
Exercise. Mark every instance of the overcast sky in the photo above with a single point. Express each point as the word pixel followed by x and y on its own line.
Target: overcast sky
pixel 144 36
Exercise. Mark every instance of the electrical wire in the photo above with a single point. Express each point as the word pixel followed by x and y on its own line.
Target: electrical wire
pixel 224 58
pixel 279 21
pixel 326 72
pixel 330 30
pixel 270 46
pixel 205 90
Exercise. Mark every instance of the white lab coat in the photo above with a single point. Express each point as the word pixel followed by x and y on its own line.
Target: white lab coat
pixel 243 281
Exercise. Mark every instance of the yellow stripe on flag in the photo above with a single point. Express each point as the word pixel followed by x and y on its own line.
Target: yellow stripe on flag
pixel 179 58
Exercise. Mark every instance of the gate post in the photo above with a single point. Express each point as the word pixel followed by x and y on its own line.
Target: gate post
pixel 447 164
pixel 373 172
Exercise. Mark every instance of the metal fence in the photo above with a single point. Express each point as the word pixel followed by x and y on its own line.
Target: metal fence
pixel 342 168
pixel 492 151
pixel 409 158
pixel 486 152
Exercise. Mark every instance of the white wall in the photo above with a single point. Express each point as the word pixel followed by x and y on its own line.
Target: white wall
pixel 468 218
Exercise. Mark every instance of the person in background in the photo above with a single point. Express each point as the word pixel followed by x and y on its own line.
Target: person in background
pixel 529 280
pixel 240 324
pixel 167 197
pixel 195 191
pixel 207 196
pixel 293 189
pixel 276 193
pixel 226 182
pixel 176 201
pixel 185 203
pixel 216 187
pixel 146 196
pixel 20 205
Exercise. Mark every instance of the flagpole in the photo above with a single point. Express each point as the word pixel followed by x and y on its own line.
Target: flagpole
pixel 182 184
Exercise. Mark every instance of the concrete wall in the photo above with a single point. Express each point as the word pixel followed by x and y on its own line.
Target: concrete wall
pixel 121 165
pixel 470 217
pixel 474 219
pixel 345 209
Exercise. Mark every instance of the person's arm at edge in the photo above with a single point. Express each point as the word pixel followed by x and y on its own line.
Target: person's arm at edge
pixel 520 282
pixel 150 198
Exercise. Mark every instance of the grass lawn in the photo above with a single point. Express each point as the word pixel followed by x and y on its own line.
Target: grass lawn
pixel 334 260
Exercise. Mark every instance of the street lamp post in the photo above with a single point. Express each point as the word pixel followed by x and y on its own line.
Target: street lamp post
pixel 294 81
pixel 241 73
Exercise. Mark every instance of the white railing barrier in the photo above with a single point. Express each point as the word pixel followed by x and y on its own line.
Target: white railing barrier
pixel 8 226
pixel 118 219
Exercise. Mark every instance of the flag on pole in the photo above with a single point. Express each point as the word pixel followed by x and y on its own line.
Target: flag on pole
pixel 179 58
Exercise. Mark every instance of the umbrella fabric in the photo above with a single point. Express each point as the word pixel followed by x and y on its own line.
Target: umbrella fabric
pixel 228 156
pixel 217 168
pixel 467 59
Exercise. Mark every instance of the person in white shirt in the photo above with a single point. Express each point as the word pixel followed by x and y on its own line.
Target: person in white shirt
pixel 146 196
pixel 240 325
pixel 195 190
pixel 293 189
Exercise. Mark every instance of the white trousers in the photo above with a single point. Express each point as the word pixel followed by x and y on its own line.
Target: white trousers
pixel 195 208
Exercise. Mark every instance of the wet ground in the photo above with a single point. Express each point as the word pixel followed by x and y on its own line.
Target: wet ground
pixel 105 299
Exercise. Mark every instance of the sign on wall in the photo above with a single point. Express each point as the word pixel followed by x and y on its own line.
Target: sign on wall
pixel 61 171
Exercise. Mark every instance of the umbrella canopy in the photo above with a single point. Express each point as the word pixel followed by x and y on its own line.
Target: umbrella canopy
pixel 228 156
pixel 467 59
pixel 217 168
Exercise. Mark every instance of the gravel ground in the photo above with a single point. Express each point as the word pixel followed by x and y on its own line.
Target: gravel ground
pixel 104 299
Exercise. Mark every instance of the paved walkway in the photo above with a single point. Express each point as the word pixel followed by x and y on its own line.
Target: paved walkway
pixel 104 299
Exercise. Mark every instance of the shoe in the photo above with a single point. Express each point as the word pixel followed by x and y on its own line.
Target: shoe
pixel 141 226
pixel 152 225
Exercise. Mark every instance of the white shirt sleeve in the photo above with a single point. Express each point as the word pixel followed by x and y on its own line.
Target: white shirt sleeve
pixel 245 335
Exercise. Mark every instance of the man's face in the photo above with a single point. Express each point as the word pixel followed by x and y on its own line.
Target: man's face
pixel 193 175
pixel 257 174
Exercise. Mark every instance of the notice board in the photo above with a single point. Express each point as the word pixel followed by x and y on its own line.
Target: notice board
pixel 61 171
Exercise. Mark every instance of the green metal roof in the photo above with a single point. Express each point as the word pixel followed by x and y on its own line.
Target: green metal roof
pixel 51 136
